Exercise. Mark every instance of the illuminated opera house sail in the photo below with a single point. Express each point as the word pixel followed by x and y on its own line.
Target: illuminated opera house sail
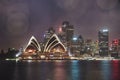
pixel 53 47
pixel 32 47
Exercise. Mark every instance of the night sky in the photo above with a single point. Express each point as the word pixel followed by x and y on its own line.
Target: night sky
pixel 20 19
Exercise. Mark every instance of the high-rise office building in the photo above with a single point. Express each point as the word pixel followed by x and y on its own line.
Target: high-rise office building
pixel 103 37
pixel 88 48
pixel 68 32
pixel 77 45
pixel 65 24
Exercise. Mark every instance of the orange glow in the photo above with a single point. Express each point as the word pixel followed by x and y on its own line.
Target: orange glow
pixel 58 50
pixel 30 50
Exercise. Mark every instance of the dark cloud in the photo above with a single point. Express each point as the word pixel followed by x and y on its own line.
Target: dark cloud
pixel 20 19
pixel 107 4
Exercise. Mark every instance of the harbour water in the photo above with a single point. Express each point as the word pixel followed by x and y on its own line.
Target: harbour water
pixel 60 70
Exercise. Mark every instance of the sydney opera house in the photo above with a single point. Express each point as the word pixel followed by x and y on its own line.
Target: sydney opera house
pixel 52 48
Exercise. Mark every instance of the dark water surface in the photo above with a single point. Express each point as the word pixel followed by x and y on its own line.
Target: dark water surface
pixel 60 70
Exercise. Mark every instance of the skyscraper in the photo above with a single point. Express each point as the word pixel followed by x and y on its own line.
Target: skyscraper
pixel 77 45
pixel 68 31
pixel 103 36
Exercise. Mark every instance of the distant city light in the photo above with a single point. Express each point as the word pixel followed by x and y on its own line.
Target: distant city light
pixel 74 38
pixel 115 42
pixel 30 50
pixel 105 30
pixel 64 25
pixel 60 29
pixel 29 57
pixel 19 53
pixel 44 35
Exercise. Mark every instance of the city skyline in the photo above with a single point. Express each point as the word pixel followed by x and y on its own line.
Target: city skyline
pixel 20 19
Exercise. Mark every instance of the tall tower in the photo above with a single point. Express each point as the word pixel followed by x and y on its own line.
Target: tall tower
pixel 65 25
pixel 68 32
pixel 103 36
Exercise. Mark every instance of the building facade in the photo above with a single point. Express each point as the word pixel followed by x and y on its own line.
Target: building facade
pixel 77 46
pixel 103 37
pixel 115 48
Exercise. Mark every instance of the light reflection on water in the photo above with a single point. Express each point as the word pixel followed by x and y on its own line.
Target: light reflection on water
pixel 106 68
pixel 75 70
pixel 60 70
pixel 115 70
